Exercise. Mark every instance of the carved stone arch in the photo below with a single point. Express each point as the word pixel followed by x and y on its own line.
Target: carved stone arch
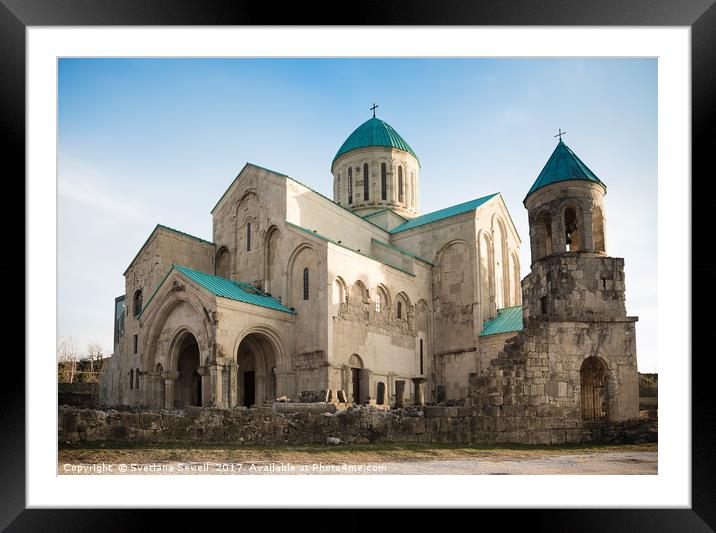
pixel 516 278
pixel 406 309
pixel 271 268
pixel 274 338
pixel 386 298
pixel 486 274
pixel 302 248
pixel 358 289
pixel 156 321
pixel 222 264
pixel 501 255
pixel 444 247
pixel 170 359
pixel 572 218
pixel 339 290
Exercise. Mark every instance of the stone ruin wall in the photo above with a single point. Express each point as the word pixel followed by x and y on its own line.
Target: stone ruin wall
pixel 315 423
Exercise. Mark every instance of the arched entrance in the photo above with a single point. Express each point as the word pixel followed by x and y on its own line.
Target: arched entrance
pixel 594 389
pixel 256 360
pixel 356 365
pixel 188 384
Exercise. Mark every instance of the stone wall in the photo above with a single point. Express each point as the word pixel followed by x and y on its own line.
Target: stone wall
pixel 354 425
pixel 78 394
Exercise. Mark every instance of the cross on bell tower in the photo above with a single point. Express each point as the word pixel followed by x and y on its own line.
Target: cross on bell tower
pixel 373 109
pixel 558 135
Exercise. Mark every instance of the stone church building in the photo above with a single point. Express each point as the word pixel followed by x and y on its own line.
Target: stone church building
pixel 366 295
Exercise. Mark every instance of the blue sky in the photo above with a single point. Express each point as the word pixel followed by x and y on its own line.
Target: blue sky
pixel 147 141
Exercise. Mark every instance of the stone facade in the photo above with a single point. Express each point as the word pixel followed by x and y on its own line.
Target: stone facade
pixel 378 303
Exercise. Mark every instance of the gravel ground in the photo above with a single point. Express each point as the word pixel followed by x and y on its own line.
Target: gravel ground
pixel 616 462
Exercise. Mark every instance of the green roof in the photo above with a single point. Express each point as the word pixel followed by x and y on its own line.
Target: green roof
pixel 233 290
pixel 564 165
pixel 508 319
pixel 374 132
pixel 448 212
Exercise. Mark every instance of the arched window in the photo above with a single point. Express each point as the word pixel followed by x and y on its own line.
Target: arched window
pixel 400 184
pixel 137 302
pixel 248 237
pixel 131 379
pixel 571 230
pixel 383 182
pixel 400 310
pixel 223 263
pixel 350 185
pixel 136 379
pixel 305 284
pixel 366 182
pixel 377 303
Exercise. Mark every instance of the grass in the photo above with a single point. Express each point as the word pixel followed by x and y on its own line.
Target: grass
pixel 353 453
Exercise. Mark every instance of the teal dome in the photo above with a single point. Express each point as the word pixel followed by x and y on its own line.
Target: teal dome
pixel 564 165
pixel 374 132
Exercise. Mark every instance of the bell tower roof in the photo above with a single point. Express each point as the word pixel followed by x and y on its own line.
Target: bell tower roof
pixel 564 165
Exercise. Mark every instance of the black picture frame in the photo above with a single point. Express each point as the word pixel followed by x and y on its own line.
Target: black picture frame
pixel 699 15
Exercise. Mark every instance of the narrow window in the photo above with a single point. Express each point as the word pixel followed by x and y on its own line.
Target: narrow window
pixel 543 304
pixel 136 343
pixel 400 184
pixel 350 185
pixel 421 357
pixel 248 237
pixel 400 310
pixel 131 379
pixel 136 379
pixel 366 182
pixel 377 303
pixel 383 182
pixel 305 284
pixel 138 302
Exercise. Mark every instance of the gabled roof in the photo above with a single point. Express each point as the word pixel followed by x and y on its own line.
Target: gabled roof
pixel 563 165
pixel 225 288
pixel 171 230
pixel 443 213
pixel 508 319
pixel 374 132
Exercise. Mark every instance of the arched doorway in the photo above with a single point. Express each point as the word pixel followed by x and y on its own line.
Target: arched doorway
pixel 356 365
pixel 594 389
pixel 256 360
pixel 188 384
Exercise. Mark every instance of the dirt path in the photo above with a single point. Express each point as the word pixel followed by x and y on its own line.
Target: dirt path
pixel 632 460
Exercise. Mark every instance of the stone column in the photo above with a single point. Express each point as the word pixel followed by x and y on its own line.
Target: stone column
pixel 216 377
pixel 587 237
pixel 419 388
pixel 233 371
pixel 559 243
pixel 205 386
pixel 169 393
pixel 399 393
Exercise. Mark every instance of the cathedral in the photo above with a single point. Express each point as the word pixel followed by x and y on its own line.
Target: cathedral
pixel 364 297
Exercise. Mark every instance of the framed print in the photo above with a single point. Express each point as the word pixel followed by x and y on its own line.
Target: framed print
pixel 424 246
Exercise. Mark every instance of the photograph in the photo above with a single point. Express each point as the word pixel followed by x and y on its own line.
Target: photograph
pixel 357 266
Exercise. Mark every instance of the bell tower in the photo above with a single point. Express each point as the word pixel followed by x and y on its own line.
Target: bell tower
pixel 574 297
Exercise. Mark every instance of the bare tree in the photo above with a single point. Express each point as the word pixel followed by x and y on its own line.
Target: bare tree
pixel 67 353
pixel 95 353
